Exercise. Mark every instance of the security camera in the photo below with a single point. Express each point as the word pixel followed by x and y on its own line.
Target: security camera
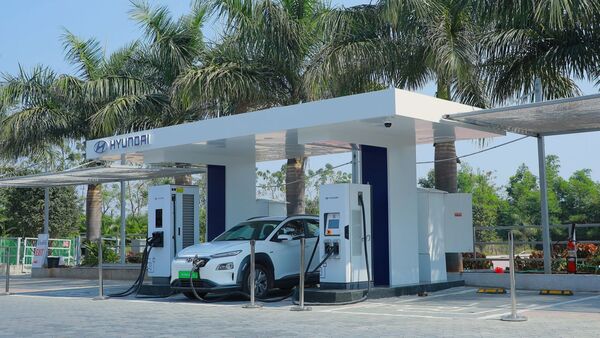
pixel 387 124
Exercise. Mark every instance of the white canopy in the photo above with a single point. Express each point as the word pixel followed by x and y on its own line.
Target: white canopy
pixel 307 129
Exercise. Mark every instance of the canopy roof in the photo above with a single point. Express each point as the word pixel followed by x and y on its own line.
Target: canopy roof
pixel 94 175
pixel 556 117
pixel 307 129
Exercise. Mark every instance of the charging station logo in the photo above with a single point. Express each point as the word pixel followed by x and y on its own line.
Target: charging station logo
pixel 100 146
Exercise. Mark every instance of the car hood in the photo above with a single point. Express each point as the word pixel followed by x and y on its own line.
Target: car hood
pixel 211 248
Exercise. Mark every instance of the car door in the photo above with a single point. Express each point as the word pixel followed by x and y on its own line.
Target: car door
pixel 286 253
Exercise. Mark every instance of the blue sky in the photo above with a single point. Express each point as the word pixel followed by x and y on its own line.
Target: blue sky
pixel 30 32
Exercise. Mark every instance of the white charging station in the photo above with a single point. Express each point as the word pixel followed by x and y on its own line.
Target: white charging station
pixel 174 211
pixel 342 234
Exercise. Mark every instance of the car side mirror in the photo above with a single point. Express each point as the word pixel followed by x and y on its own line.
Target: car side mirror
pixel 282 237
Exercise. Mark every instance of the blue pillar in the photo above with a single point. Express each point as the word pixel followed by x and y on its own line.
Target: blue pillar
pixel 374 168
pixel 215 201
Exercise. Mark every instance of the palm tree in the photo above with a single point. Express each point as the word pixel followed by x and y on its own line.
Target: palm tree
pixel 168 48
pixel 260 62
pixel 407 43
pixel 41 109
pixel 553 41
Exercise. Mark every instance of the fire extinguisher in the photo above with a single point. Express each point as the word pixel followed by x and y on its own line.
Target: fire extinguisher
pixel 572 252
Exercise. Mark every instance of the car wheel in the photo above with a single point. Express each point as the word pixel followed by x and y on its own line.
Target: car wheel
pixel 190 295
pixel 263 281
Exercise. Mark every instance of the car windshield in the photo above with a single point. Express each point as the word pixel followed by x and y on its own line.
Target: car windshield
pixel 257 230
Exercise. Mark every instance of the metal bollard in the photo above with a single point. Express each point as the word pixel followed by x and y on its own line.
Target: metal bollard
pixel 101 295
pixel 301 306
pixel 513 316
pixel 252 276
pixel 7 275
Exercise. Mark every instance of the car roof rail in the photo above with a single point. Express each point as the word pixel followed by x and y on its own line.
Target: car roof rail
pixel 255 217
pixel 301 215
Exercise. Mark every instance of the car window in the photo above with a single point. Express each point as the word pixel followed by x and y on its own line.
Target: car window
pixel 293 228
pixel 248 230
pixel 312 228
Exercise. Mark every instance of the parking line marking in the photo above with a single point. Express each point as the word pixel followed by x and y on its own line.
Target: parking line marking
pixel 392 315
pixel 541 307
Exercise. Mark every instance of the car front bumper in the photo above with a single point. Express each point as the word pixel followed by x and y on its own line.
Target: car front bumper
pixel 209 280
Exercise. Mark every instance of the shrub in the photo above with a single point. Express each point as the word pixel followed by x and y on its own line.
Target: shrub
pixel 91 255
pixel 475 265
pixel 134 257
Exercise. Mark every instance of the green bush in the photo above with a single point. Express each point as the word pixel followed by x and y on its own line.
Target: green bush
pixel 475 265
pixel 91 254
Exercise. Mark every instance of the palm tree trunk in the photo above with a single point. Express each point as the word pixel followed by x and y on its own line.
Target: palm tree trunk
pixel 446 172
pixel 445 166
pixel 183 180
pixel 93 212
pixel 295 186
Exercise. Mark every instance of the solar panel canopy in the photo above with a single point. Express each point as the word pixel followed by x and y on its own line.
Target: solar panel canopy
pixel 556 117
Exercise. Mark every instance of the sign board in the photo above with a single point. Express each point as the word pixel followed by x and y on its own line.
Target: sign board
pixel 41 251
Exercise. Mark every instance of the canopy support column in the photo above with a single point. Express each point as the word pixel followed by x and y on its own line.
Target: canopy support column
pixel 539 97
pixel 46 210
pixel 356 165
pixel 544 206
pixel 123 218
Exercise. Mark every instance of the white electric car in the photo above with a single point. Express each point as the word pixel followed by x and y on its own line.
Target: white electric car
pixel 227 257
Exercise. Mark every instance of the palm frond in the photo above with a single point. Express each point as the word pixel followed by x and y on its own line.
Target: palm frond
pixel 129 112
pixel 85 54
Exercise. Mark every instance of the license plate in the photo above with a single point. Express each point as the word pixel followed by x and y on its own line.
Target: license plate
pixel 186 274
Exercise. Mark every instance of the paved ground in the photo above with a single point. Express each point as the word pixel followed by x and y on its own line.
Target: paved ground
pixel 49 307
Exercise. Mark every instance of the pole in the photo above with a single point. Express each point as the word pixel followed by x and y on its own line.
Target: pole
pixel 46 210
pixel 252 277
pixel 356 173
pixel 123 218
pixel 513 317
pixel 301 306
pixel 7 275
pixel 544 207
pixel 100 276
pixel 547 248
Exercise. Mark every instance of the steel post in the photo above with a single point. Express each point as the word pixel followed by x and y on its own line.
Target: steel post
pixel 301 306
pixel 100 274
pixel 356 173
pixel 252 277
pixel 123 218
pixel 46 210
pixel 547 246
pixel 513 316
pixel 7 275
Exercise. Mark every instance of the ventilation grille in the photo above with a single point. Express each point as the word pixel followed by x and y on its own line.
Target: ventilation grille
pixel 188 221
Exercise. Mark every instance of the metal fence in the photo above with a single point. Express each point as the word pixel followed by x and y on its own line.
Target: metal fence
pixel 14 250
pixel 57 247
pixel 526 244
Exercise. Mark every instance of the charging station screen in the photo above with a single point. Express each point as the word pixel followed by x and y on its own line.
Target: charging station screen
pixel 158 219
pixel 333 224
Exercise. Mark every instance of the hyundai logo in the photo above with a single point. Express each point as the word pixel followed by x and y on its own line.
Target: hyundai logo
pixel 100 146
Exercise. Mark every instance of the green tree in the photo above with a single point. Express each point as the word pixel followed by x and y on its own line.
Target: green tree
pixel 407 44
pixel 554 41
pixel 259 63
pixel 43 110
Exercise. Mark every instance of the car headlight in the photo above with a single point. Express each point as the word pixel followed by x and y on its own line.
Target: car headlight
pixel 225 266
pixel 226 254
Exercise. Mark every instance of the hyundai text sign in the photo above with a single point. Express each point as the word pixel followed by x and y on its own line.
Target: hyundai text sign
pixel 122 143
